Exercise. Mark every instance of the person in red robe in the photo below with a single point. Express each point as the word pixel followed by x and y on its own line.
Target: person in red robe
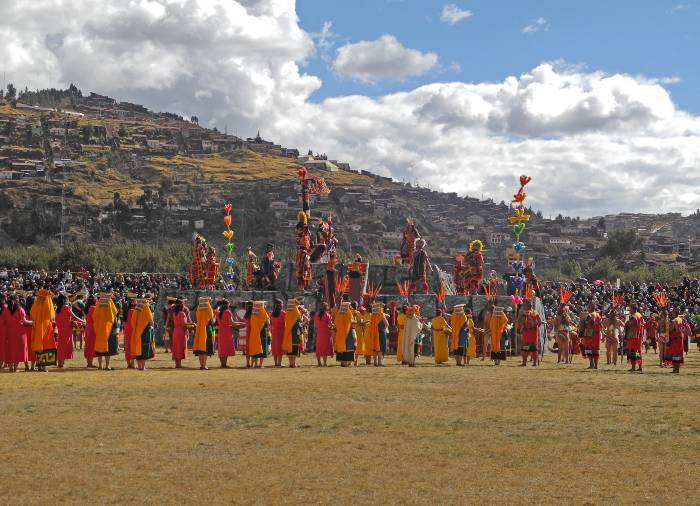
pixel 3 333
pixel 678 330
pixel 181 325
pixel 420 267
pixel 652 328
pixel 529 325
pixel 226 324
pixel 89 348
pixel 277 331
pixel 212 269
pixel 474 268
pixel 323 334
pixel 635 338
pixel 17 328
pixel 591 328
pixel 64 324
pixel 302 261
pixel 408 242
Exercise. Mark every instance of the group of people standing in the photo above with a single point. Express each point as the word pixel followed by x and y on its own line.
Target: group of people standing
pixel 41 330
pixel 625 332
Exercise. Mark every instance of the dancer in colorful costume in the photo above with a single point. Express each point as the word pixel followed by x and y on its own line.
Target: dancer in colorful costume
pixel 105 325
pixel 203 345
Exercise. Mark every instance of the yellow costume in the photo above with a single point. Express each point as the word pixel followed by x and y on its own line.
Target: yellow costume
pixel 401 322
pixel 440 340
pixel 344 335
pixel 258 338
pixel 103 318
pixel 373 333
pixel 292 316
pixel 497 325
pixel 42 315
pixel 141 323
pixel 204 315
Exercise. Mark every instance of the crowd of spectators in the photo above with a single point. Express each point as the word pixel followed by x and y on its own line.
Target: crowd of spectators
pixel 143 284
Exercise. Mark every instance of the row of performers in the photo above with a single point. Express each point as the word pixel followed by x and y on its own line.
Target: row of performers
pixel 41 331
pixel 44 334
pixel 623 333
pixel 347 332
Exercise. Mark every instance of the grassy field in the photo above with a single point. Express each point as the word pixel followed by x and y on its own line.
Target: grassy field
pixel 448 435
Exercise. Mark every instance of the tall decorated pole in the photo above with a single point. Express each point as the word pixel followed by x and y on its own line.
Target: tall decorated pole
pixel 518 220
pixel 302 261
pixel 230 260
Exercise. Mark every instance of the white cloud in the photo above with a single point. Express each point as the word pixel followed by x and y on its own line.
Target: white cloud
pixel 678 7
pixel 451 14
pixel 536 25
pixel 384 58
pixel 238 58
pixel 325 40
pixel 593 142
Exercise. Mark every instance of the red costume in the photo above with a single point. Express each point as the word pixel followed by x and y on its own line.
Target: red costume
pixel 408 243
pixel 592 328
pixel 634 341
pixel 530 333
pixel 212 266
pixel 474 268
pixel 678 330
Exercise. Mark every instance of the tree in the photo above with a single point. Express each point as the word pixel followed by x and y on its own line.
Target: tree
pixel 11 94
pixel 601 223
pixel 195 120
pixel 604 268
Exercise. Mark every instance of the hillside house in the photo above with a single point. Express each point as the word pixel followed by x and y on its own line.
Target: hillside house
pixel 475 220
pixel 322 165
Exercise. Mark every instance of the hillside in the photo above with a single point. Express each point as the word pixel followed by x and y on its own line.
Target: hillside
pixel 124 172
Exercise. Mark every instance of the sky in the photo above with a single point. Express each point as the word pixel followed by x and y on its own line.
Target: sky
pixel 597 101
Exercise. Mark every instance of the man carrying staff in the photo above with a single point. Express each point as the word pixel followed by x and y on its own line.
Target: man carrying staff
pixel 528 324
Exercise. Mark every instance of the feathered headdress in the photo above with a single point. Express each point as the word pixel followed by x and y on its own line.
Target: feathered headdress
pixel 565 295
pixel 342 285
pixel 476 243
pixel 404 288
pixel 618 299
pixel 661 299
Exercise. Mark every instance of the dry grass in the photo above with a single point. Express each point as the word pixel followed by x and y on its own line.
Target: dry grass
pixel 367 436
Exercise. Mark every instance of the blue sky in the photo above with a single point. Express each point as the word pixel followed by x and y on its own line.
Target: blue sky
pixel 639 37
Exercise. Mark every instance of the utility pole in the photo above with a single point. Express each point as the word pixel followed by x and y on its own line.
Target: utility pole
pixel 63 206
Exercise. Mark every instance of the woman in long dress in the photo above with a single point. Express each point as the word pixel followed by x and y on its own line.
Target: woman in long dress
pixel 89 348
pixel 277 323
pixel 440 331
pixel 324 336
pixel 226 324
pixel 181 322
pixel 16 328
pixel 65 318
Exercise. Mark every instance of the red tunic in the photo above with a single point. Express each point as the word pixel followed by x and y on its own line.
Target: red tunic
pixel 16 350
pixel 634 341
pixel 531 336
pixel 593 327
pixel 278 334
pixel 3 336
pixel 226 347
pixel 324 336
pixel 674 349
pixel 89 348
pixel 64 325
pixel 179 344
